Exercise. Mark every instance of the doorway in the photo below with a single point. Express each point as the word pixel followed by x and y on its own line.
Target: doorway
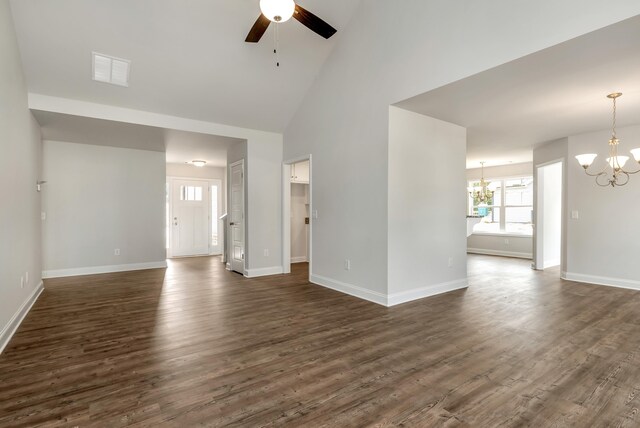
pixel 297 210
pixel 189 218
pixel 193 210
pixel 548 229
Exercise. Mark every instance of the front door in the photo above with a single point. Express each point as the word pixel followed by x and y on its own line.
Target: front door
pixel 190 218
pixel 236 218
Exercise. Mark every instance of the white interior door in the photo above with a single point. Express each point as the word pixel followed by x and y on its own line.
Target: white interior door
pixel 236 217
pixel 190 218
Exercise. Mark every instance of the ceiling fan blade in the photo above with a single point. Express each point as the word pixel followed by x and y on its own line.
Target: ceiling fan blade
pixel 313 23
pixel 258 29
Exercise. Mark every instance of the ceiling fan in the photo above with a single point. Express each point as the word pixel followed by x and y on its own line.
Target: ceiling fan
pixel 280 11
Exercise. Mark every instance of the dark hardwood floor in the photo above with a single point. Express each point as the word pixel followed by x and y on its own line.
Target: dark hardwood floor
pixel 196 345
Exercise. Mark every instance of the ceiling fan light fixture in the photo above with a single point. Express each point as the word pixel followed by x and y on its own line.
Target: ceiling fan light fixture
pixel 277 10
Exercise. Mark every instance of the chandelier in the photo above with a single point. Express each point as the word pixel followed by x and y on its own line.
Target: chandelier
pixel 613 174
pixel 482 194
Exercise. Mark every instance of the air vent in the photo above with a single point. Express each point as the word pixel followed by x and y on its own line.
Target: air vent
pixel 109 69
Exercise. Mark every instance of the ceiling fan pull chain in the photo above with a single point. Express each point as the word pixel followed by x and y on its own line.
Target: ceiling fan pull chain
pixel 276 42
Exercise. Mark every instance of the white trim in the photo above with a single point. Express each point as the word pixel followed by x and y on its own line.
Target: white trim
pixel 92 270
pixel 500 253
pixel 12 326
pixel 601 280
pixel 300 259
pixel 254 273
pixel 352 290
pixel 422 292
pixel 503 234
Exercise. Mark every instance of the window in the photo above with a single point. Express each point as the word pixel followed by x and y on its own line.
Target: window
pixel 190 193
pixel 508 210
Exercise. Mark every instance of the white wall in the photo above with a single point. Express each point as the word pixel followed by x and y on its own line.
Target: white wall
pixel 190 171
pixel 604 243
pixel 98 199
pixel 501 245
pixel 427 202
pixel 20 161
pixel 263 172
pixel 343 119
pixel 550 180
pixel 501 171
pixel 299 229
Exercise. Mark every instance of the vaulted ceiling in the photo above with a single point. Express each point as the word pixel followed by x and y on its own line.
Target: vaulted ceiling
pixel 188 58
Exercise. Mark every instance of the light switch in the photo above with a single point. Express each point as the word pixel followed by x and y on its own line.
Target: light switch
pixel 315 213
pixel 575 215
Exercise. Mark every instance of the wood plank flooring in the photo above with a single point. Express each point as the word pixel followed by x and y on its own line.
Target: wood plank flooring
pixel 196 345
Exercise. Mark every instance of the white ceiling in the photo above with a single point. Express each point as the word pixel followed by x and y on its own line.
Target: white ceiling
pixel 180 146
pixel 554 93
pixel 189 58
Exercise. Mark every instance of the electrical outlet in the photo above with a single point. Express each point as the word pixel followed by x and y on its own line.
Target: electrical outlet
pixel 347 264
pixel 575 215
pixel 43 215
pixel 506 241
pixel 22 282
pixel 266 252
pixel 116 252
pixel 315 213
pixel 450 261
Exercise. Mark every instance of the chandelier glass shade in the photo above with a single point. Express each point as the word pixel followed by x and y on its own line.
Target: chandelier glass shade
pixel 614 173
pixel 277 10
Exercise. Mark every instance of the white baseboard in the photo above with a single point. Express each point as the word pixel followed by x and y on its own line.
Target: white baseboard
pixel 422 292
pixel 301 259
pixel 353 290
pixel 500 253
pixel 59 273
pixel 8 331
pixel 254 273
pixel 601 280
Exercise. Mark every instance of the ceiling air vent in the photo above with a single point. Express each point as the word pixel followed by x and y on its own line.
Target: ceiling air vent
pixel 109 69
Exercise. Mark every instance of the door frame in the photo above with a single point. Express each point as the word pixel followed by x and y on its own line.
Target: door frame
pixel 286 212
pixel 171 182
pixel 212 215
pixel 229 265
pixel 538 210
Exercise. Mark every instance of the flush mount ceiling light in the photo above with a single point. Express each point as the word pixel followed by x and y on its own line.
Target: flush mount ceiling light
pixel 482 193
pixel 613 173
pixel 198 163
pixel 109 69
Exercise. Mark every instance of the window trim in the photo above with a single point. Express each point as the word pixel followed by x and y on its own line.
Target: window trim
pixel 501 208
